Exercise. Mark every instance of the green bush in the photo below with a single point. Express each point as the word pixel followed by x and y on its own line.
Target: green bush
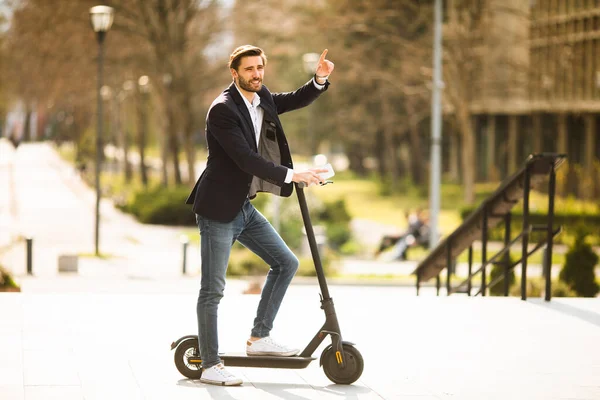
pixel 243 262
pixel 578 271
pixel 561 289
pixel 333 215
pixel 536 287
pixel 160 205
pixel 351 247
pixel 336 218
pixel 7 281
pixel 307 266
pixel 498 270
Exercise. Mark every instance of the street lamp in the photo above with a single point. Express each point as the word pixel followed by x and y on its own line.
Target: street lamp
pixel 436 130
pixel 101 18
pixel 310 61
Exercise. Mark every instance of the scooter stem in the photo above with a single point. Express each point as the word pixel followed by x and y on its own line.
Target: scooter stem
pixel 312 242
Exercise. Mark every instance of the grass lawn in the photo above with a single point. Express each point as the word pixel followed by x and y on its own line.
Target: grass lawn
pixel 364 201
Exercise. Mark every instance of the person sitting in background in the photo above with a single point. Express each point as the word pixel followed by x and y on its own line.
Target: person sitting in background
pixel 417 234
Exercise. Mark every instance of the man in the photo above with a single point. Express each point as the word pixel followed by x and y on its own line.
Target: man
pixel 247 153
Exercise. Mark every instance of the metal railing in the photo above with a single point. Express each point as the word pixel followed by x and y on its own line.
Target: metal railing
pixel 494 210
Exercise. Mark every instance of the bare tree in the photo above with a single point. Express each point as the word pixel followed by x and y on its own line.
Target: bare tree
pixel 387 45
pixel 176 32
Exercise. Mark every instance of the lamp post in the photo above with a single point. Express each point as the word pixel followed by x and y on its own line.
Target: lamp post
pixel 436 128
pixel 310 61
pixel 101 18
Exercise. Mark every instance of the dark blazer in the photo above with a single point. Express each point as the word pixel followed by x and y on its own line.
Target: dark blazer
pixel 233 157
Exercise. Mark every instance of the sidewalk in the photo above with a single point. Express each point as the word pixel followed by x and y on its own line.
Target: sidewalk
pixel 56 209
pixel 111 341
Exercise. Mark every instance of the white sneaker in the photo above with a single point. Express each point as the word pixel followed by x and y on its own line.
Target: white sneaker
pixel 268 347
pixel 218 375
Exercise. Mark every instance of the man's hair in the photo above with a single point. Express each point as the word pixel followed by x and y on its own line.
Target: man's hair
pixel 244 51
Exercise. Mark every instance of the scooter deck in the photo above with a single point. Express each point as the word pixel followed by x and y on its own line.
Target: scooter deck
pixel 242 360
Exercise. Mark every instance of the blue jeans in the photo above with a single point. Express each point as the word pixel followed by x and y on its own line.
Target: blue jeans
pixel 253 231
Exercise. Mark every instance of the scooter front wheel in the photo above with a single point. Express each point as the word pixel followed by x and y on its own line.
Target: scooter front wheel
pixel 352 370
pixel 188 348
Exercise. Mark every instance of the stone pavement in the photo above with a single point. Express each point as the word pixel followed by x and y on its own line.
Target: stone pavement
pixel 43 197
pixel 82 338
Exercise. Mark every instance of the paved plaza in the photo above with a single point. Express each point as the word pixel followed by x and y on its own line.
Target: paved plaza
pixel 105 331
pixel 72 342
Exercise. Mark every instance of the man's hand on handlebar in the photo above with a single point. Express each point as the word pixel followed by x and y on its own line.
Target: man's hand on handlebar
pixel 310 176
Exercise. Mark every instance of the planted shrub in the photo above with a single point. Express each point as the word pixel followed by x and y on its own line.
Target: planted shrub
pixel 290 219
pixel 561 289
pixel 160 205
pixel 307 266
pixel 336 218
pixel 7 282
pixel 333 215
pixel 578 271
pixel 536 287
pixel 243 262
pixel 498 270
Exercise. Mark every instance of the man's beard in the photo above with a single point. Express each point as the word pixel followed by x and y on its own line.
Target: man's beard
pixel 248 85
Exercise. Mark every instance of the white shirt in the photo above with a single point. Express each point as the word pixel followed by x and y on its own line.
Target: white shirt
pixel 257 114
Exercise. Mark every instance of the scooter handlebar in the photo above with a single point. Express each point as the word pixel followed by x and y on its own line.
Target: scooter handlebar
pixel 302 185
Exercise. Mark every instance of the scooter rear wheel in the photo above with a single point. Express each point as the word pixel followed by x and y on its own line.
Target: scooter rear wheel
pixel 353 361
pixel 188 348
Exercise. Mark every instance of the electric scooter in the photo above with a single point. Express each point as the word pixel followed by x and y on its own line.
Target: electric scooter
pixel 341 361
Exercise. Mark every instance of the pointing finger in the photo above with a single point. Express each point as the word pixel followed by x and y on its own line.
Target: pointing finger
pixel 323 55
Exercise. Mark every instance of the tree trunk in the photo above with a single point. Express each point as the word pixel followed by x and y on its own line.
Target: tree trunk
pixel 27 124
pixel 174 147
pixel 538 145
pixel 172 139
pixel 389 144
pixel 188 135
pixel 128 171
pixel 417 164
pixel 355 155
pixel 511 152
pixel 454 158
pixel 492 170
pixel 142 133
pixel 125 111
pixel 468 154
pixel 562 146
pixel 380 152
pixel 190 153
pixel 589 184
pixel 164 155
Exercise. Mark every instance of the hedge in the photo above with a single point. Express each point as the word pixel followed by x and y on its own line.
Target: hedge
pixel 578 272
pixel 160 205
pixel 166 206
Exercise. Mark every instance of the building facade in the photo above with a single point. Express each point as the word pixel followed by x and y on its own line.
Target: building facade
pixel 537 88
